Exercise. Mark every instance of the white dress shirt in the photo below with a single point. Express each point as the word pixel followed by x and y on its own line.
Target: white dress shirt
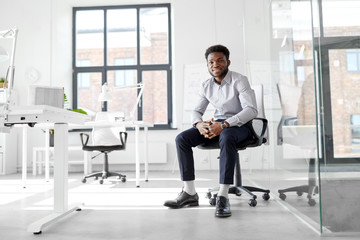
pixel 233 99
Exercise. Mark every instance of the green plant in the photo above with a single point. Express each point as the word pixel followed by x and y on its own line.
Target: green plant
pixel 2 80
pixel 79 110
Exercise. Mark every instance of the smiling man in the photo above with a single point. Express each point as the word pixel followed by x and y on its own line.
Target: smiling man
pixel 230 93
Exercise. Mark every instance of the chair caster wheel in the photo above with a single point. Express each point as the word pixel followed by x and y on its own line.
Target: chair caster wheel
pixel 208 195
pixel 266 196
pixel 123 179
pixel 96 178
pixel 83 180
pixel 101 181
pixel 212 201
pixel 299 193
pixel 282 196
pixel 252 202
pixel 311 202
pixel 36 233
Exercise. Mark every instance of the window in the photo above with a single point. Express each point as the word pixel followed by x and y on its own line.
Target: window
pixel 355 131
pixel 353 60
pixel 123 46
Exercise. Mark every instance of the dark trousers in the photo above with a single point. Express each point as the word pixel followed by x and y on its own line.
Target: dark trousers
pixel 228 139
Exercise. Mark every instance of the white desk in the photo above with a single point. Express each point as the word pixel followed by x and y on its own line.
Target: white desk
pixel 90 124
pixel 61 118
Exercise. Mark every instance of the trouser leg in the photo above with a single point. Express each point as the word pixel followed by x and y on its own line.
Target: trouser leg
pixel 228 139
pixel 185 141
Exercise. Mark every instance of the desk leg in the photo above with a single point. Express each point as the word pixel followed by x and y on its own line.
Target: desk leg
pixel 47 155
pixel 146 155
pixel 61 208
pixel 137 156
pixel 24 156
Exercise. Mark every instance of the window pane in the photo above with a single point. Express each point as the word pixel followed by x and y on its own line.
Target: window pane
pixel 123 99
pixel 88 96
pixel 154 35
pixel 341 18
pixel 352 58
pixel 345 104
pixel 155 97
pixel 90 37
pixel 121 36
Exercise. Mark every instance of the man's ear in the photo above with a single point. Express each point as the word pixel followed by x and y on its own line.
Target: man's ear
pixel 228 62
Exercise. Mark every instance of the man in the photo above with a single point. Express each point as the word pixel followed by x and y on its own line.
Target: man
pixel 230 93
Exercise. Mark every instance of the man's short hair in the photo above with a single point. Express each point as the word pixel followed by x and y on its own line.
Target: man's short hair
pixel 218 48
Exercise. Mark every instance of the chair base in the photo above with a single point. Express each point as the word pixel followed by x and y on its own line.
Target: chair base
pixel 238 190
pixel 104 175
pixel 311 188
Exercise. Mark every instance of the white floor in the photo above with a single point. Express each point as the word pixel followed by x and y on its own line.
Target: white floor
pixel 117 210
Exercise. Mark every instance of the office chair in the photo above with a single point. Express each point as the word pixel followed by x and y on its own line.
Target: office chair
pixel 301 135
pixel 105 140
pixel 258 127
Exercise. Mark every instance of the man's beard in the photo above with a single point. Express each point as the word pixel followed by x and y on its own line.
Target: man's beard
pixel 222 74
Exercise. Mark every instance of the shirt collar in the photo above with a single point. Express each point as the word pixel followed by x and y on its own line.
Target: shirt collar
pixel 226 79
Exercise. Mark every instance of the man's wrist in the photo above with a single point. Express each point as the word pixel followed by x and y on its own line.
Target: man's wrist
pixel 194 125
pixel 224 124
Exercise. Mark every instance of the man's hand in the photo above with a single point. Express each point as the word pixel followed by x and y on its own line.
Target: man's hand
pixel 203 128
pixel 214 129
pixel 209 129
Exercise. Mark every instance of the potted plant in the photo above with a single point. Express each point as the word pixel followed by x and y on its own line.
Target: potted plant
pixel 2 80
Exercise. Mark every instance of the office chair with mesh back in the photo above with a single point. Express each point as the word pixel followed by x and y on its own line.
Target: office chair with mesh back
pixel 258 128
pixel 105 140
pixel 303 136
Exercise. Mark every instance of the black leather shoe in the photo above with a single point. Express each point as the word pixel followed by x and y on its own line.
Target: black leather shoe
pixel 183 200
pixel 222 207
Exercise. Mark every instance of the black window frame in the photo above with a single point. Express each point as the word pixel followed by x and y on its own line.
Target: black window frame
pixel 138 66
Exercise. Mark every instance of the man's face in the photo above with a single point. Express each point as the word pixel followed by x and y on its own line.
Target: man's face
pixel 217 65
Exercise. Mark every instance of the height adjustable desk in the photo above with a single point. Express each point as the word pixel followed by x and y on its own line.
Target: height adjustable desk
pixel 32 115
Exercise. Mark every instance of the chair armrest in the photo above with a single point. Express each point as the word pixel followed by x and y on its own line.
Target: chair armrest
pixel 82 139
pixel 258 127
pixel 123 138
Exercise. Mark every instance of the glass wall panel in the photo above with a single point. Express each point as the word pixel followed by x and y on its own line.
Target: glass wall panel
pixel 286 69
pixel 338 48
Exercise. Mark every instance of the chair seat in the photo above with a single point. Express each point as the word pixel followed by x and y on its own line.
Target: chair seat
pixel 250 142
pixel 103 148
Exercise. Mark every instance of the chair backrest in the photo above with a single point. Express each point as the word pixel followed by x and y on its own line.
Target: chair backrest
pixel 259 95
pixel 104 136
pixel 257 125
pixel 289 97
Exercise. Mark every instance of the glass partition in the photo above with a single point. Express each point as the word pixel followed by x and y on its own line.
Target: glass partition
pixel 338 47
pixel 286 66
pixel 308 59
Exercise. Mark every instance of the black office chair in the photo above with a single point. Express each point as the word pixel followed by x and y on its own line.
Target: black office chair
pixel 289 97
pixel 105 141
pixel 258 128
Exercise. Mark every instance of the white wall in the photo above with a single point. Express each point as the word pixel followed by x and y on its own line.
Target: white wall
pixel 45 45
